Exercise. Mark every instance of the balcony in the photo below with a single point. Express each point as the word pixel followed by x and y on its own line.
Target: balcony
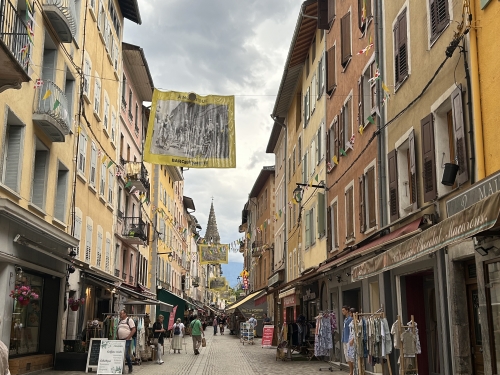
pixel 62 17
pixel 52 113
pixel 137 176
pixel 124 276
pixel 117 273
pixel 15 48
pixel 135 231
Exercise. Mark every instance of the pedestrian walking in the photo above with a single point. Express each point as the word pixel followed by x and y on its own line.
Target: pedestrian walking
pixel 214 324
pixel 159 335
pixel 178 330
pixel 196 334
pixel 126 329
pixel 253 322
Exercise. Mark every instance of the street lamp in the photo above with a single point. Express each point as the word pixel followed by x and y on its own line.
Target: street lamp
pixel 297 194
pixel 169 256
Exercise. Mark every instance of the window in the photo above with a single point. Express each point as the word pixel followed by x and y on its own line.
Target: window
pixel 106 111
pixel 97 94
pixel 40 168
pixel 312 158
pixel 130 102
pixel 93 164
pixel 78 227
pixel 321 215
pixel 439 17
pixel 115 20
pixel 345 35
pixel 305 176
pixel 136 119
pixel 116 55
pixel 99 247
pixel 107 33
pixel 332 227
pixel 82 153
pixel 107 259
pixel 310 219
pixel 124 91
pixel 400 49
pixel 321 76
pixel 12 156
pixel 349 213
pixel 319 147
pixel 88 240
pixel 364 14
pixel 111 179
pixel 300 149
pixel 331 78
pixel 307 107
pixel 314 87
pixel 113 125
pixel 367 94
pixel 100 14
pixel 61 192
pixel 331 11
pixel 102 186
pixel 87 78
pixel 345 126
pixel 367 214
pixel 332 144
pixel 298 110
pixel 294 161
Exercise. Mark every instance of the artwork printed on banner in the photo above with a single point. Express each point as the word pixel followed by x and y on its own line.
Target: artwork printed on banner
pixel 217 283
pixel 195 134
pixel 214 254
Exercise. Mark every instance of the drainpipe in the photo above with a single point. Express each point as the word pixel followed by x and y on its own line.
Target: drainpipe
pixel 476 103
pixel 381 146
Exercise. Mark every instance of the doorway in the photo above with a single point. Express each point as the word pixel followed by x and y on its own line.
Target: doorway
pixel 352 298
pixel 473 315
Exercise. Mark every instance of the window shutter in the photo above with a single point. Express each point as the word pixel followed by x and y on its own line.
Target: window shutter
pixel 60 201
pixel 341 132
pixel 433 18
pixel 370 197
pixel 321 215
pixel 361 22
pixel 308 233
pixel 13 157
pixel 361 120
pixel 88 243
pixel 350 213
pixel 413 170
pixel 99 249
pixel 429 158
pixel 396 53
pixel 393 185
pixel 93 163
pixel 331 11
pixel 362 205
pixel 442 14
pixel 402 47
pixel 318 79
pixel 39 178
pixel 323 15
pixel 346 38
pixel 328 156
pixel 335 226
pixel 330 74
pixel 304 111
pixel 460 147
pixel 336 141
pixel 329 228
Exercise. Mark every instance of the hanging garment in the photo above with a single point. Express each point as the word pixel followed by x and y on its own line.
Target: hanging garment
pixel 333 321
pixel 397 335
pixel 351 349
pixel 386 338
pixel 323 340
pixel 364 336
pixel 409 342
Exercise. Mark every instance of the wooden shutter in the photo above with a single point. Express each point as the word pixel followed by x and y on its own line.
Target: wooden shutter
pixel 439 17
pixel 335 227
pixel 39 178
pixel 349 213
pixel 370 197
pixel 328 156
pixel 341 131
pixel 429 158
pixel 345 36
pixel 362 206
pixel 60 201
pixel 308 229
pixel 323 19
pixel 393 185
pixel 321 215
pixel 361 120
pixel 93 164
pixel 88 243
pixel 336 141
pixel 396 52
pixel 331 11
pixel 413 171
pixel 330 71
pixel 458 125
pixel 13 157
pixel 402 47
pixel 329 228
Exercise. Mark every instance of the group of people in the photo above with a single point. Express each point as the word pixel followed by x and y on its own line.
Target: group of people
pixel 221 322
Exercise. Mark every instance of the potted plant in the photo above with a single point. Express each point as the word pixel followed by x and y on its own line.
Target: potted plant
pixel 23 294
pixel 75 303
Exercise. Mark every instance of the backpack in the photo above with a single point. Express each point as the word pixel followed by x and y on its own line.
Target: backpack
pixel 177 330
pixel 135 333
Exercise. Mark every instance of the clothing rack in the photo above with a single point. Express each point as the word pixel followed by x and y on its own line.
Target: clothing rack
pixel 331 369
pixel 131 315
pixel 402 369
pixel 380 313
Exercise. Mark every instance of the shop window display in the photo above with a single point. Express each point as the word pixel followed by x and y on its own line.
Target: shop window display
pixel 25 328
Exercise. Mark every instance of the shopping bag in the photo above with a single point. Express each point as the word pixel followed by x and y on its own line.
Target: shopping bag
pixel 203 342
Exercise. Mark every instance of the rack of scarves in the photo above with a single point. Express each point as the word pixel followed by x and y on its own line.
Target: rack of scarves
pixel 326 325
pixel 407 340
pixel 372 341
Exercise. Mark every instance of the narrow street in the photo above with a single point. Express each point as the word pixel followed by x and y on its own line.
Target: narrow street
pixel 224 355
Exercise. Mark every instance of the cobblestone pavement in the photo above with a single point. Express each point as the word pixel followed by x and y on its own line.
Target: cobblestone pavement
pixel 224 355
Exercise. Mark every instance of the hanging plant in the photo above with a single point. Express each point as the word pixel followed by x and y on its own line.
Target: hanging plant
pixel 23 294
pixel 75 303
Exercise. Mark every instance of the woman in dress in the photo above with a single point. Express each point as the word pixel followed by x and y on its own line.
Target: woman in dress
pixel 159 333
pixel 178 333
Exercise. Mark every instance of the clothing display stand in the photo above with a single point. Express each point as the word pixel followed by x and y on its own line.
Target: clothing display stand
pixel 361 363
pixel 402 367
pixel 331 369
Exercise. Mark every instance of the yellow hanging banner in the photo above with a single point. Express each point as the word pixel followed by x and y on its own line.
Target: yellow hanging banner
pixel 214 254
pixel 187 130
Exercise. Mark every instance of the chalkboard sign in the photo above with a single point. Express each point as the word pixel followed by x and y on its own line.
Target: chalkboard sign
pixel 93 354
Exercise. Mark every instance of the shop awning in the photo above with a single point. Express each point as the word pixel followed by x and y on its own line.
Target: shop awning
pixel 244 300
pixel 464 224
pixel 397 235
pixel 162 305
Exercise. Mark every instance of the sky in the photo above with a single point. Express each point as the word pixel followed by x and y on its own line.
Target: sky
pixel 221 47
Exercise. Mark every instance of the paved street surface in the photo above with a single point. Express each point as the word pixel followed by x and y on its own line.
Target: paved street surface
pixel 224 355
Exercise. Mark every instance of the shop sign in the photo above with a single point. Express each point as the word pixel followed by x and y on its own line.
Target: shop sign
pixel 111 357
pixel 310 292
pixel 474 194
pixel 275 279
pixel 289 292
pixel 267 335
pixel 473 220
pixel 248 312
pixel 289 301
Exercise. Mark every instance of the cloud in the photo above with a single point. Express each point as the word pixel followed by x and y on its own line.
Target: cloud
pixel 223 47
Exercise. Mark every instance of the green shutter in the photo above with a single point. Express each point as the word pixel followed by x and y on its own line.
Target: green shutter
pixel 321 215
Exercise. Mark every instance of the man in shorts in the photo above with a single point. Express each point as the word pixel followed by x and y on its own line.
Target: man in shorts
pixel 345 338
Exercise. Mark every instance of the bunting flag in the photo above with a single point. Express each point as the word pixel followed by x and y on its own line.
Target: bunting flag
pixel 335 160
pixel 385 88
pixel 280 212
pixel 104 158
pixel 361 129
pixel 128 184
pixel 265 224
pixel 24 50
pixel 38 83
pixel 290 204
pixel 56 104
pixel 294 201
pixel 47 94
pixel 310 183
pixel 111 162
pixel 342 152
pixel 366 49
pixel 349 146
pixel 370 119
pixel 316 178
pixel 329 166
pixel 353 137
pixel 375 77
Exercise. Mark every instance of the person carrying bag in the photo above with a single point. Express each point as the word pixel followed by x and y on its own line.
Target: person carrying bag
pixel 196 333
pixel 158 337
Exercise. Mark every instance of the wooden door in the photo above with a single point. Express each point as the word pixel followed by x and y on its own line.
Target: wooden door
pixel 475 330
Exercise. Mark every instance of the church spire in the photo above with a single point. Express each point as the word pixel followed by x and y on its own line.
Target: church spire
pixel 212 233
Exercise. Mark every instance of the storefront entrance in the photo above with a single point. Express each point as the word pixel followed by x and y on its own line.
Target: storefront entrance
pixel 352 298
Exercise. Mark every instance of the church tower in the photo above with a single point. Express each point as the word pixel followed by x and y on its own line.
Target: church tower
pixel 212 233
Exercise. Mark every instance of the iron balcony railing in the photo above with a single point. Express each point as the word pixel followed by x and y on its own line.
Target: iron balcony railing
pixel 138 172
pixel 13 32
pixel 131 279
pixel 135 227
pixel 67 8
pixel 117 273
pixel 124 276
pixel 53 102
